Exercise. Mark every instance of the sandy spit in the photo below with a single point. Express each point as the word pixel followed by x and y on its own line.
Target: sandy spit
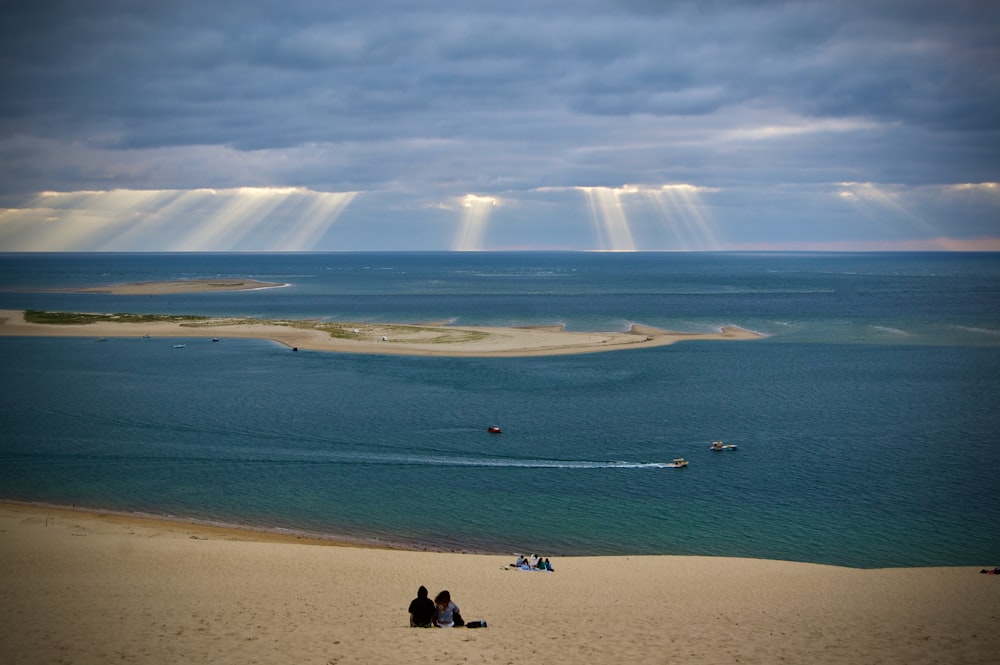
pixel 179 286
pixel 384 338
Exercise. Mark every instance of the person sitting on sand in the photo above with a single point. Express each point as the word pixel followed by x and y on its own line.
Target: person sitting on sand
pixel 548 566
pixel 446 610
pixel 422 610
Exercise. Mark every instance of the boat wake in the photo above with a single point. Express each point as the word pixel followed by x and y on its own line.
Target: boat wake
pixel 332 459
pixel 491 462
pixel 557 464
pixel 248 446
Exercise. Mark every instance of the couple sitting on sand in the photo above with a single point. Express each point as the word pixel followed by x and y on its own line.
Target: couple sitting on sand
pixel 440 613
pixel 534 563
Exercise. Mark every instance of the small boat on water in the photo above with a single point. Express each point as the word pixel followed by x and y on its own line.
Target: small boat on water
pixel 722 445
pixel 179 346
pixel 677 463
pixel 493 429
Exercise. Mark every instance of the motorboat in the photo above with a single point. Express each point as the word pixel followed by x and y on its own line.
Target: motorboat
pixel 722 445
pixel 179 346
pixel 677 463
pixel 493 429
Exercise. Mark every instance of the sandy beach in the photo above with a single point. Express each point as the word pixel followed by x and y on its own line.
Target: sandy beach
pixel 381 338
pixel 80 587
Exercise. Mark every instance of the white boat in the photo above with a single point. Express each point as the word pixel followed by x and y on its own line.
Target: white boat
pixel 722 445
pixel 179 346
pixel 677 463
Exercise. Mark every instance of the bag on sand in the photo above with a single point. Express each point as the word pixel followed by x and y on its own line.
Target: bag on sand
pixel 476 624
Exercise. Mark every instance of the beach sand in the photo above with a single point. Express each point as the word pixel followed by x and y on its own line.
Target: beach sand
pixel 381 338
pixel 79 587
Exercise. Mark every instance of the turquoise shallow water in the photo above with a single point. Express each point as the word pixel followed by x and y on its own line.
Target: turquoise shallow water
pixel 866 422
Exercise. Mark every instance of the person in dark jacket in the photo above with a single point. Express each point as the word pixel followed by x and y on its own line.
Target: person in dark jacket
pixel 422 610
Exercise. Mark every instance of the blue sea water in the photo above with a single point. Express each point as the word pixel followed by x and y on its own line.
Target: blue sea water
pixel 866 420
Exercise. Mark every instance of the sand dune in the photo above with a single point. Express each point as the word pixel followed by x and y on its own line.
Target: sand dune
pixel 84 588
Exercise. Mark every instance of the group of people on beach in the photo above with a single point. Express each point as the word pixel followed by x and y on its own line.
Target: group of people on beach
pixel 441 612
pixel 533 563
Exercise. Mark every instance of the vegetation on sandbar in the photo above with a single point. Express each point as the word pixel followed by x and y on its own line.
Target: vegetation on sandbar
pixel 76 318
pixel 348 331
pixel 396 332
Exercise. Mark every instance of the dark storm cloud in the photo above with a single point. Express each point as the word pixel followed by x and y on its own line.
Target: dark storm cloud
pixel 271 74
pixel 460 97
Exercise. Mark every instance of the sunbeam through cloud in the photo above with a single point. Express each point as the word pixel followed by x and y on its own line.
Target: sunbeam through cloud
pixel 677 211
pixel 475 213
pixel 875 200
pixel 610 220
pixel 681 210
pixel 244 218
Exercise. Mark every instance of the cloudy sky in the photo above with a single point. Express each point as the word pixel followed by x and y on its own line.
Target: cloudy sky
pixel 524 124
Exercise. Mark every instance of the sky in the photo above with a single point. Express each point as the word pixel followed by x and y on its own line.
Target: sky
pixel 327 125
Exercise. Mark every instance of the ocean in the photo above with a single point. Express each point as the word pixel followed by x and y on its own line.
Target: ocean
pixel 867 419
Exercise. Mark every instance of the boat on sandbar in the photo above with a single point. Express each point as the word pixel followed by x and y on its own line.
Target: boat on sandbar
pixel 722 445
